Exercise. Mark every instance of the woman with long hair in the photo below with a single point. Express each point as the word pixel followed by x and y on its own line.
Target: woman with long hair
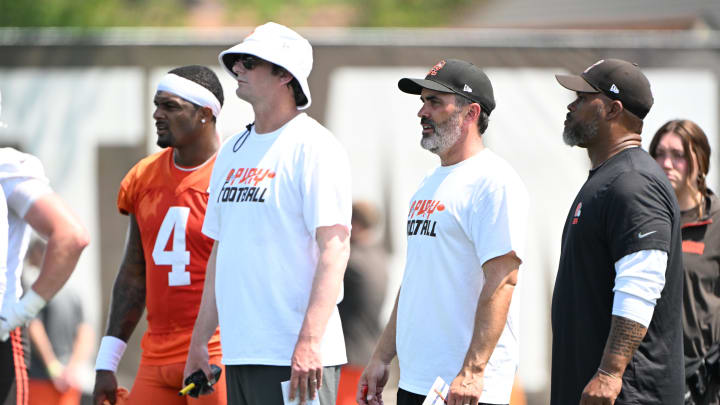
pixel 681 149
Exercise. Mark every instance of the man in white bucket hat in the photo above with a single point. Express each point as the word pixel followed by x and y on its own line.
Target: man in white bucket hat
pixel 279 212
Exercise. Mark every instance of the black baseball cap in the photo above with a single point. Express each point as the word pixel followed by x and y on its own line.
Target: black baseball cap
pixel 617 79
pixel 455 76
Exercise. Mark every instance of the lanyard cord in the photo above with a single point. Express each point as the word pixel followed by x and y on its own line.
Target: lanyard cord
pixel 243 138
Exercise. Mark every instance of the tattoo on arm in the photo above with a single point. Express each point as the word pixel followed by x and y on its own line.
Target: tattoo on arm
pixel 625 337
pixel 128 297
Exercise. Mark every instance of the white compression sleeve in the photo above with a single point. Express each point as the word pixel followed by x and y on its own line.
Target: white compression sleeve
pixel 639 280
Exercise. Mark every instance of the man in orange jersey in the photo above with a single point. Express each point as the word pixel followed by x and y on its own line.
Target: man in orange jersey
pixel 163 268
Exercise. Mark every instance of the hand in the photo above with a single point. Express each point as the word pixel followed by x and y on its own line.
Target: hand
pixel 601 390
pixel 465 389
pixel 71 375
pixel 306 369
pixel 105 387
pixel 372 381
pixel 67 379
pixel 57 371
pixel 62 381
pixel 60 384
pixel 20 313
pixel 11 317
pixel 198 359
pixel 200 383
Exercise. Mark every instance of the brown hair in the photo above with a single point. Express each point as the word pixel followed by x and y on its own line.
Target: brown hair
pixel 298 95
pixel 693 139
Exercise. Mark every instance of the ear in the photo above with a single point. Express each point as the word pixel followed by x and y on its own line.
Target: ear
pixel 614 109
pixel 473 113
pixel 285 77
pixel 206 114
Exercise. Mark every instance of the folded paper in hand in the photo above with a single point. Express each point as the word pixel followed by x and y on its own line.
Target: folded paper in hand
pixel 285 385
pixel 437 394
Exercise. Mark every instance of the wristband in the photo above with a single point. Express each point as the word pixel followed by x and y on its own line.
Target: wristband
pixel 31 303
pixel 55 369
pixel 109 354
pixel 20 313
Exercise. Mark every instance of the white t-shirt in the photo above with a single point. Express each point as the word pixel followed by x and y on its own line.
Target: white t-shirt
pixel 3 246
pixel 462 216
pixel 23 180
pixel 266 201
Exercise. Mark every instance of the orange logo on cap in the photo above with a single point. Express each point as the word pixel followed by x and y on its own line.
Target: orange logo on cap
pixel 437 67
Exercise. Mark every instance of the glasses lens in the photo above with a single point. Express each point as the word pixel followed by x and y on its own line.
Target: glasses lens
pixel 249 62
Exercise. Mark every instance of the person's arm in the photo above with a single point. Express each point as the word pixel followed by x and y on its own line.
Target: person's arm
pixel 306 364
pixel 205 324
pixel 376 373
pixel 639 281
pixel 66 238
pixel 82 350
pixel 126 309
pixel 490 317
pixel 38 335
pixel 625 337
pixel 63 376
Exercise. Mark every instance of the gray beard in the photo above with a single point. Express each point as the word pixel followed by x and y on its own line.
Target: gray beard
pixel 444 135
pixel 579 133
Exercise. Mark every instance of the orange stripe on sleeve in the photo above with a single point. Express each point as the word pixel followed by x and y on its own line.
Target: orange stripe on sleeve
pixel 21 377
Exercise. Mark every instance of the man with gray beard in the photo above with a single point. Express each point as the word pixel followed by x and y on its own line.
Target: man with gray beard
pixel 456 313
pixel 616 307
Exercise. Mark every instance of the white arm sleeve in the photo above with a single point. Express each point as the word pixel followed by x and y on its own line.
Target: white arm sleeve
pixel 639 280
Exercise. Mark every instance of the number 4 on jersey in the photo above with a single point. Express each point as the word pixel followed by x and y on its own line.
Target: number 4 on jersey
pixel 175 222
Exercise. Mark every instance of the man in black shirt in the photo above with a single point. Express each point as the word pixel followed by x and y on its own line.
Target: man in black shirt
pixel 616 309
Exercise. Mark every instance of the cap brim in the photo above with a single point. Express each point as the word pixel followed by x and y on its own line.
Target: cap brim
pixel 415 86
pixel 575 83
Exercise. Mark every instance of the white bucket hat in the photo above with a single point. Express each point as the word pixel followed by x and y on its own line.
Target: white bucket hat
pixel 280 45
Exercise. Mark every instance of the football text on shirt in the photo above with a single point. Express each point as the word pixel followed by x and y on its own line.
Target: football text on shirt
pixel 243 185
pixel 419 222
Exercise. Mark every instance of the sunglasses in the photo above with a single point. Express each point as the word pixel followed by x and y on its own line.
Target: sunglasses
pixel 249 62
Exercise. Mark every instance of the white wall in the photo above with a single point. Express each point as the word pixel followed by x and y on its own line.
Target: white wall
pixel 61 116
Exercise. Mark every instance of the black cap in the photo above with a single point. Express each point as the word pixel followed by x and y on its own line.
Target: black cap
pixel 617 79
pixel 455 76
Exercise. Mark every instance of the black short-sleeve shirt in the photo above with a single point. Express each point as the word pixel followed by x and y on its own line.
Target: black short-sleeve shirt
pixel 626 205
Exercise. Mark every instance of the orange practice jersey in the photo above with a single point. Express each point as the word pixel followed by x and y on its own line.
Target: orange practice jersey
pixel 169 205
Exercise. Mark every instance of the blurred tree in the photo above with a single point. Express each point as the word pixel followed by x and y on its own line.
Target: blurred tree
pixel 109 13
pixel 409 13
pixel 92 13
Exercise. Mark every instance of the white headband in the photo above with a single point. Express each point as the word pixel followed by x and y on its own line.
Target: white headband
pixel 190 91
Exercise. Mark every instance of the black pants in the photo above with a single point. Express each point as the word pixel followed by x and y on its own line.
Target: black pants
pixel 14 362
pixel 260 385
pixel 408 398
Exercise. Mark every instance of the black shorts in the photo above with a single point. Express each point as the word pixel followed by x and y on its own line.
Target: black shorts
pixel 260 385
pixel 14 362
